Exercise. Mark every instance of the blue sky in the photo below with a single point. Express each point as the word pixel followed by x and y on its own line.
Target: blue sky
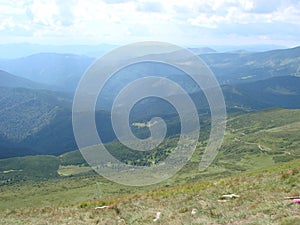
pixel 185 22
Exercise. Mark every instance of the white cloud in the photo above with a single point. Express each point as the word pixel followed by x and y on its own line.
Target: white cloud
pixel 44 12
pixel 122 21
pixel 247 12
pixel 150 7
pixel 116 1
pixel 7 23
pixel 66 16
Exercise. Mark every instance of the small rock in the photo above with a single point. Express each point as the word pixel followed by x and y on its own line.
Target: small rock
pixel 102 207
pixel 157 217
pixel 230 196
pixel 194 211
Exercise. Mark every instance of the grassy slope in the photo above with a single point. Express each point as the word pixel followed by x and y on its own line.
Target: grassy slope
pixel 14 170
pixel 259 139
pixel 261 201
pixel 253 141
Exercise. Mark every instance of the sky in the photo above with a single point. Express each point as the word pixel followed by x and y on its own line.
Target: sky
pixel 184 22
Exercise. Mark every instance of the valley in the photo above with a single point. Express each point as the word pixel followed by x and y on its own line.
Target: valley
pixel 137 112
pixel 255 151
pixel 43 117
pixel 43 176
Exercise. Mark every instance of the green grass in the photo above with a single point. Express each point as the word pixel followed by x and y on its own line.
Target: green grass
pixel 73 170
pixel 254 162
pixel 260 139
pixel 14 170
pixel 262 201
pixel 252 140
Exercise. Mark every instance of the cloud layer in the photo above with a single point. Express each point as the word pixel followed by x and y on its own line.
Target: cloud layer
pixel 190 22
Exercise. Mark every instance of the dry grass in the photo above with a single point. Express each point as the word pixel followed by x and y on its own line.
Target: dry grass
pixel 261 201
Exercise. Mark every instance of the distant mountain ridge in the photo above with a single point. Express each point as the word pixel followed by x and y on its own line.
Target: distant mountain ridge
pixel 276 92
pixel 62 70
pixel 204 50
pixel 233 68
pixel 65 70
pixel 10 80
pixel 18 50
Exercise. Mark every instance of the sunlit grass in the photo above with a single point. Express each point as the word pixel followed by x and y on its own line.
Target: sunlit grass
pixel 252 163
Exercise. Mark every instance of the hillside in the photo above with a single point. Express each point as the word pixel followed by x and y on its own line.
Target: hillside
pixel 252 140
pixel 232 68
pixel 282 91
pixel 261 200
pixel 31 119
pixel 39 121
pixel 258 161
pixel 20 169
pixel 10 80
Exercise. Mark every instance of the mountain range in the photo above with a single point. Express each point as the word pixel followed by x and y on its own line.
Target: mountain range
pixel 39 121
pixel 254 178
pixel 35 104
pixel 59 70
pixel 65 70
pixel 231 68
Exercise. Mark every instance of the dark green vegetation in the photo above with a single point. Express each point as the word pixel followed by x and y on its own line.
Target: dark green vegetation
pixel 34 121
pixel 14 170
pixel 252 140
pixel 39 121
pixel 274 92
pixel 246 166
